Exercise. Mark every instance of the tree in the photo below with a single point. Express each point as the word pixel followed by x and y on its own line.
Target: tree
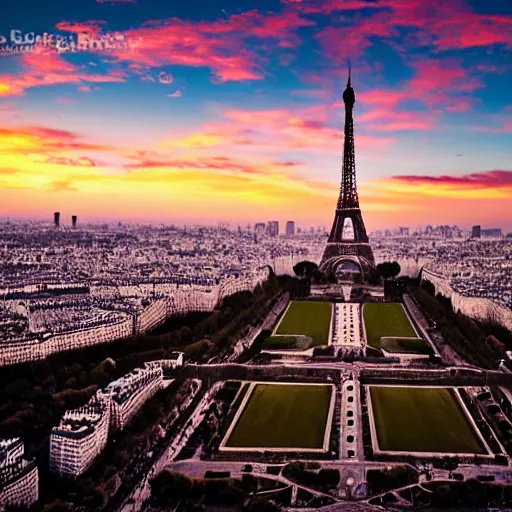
pixel 384 269
pixel 18 389
pixel 475 493
pixel 373 277
pixel 443 496
pixel 388 269
pixel 261 505
pixel 450 464
pixel 57 506
pixel 186 334
pixel 305 269
pixel 170 485
pixel 329 477
pixel 395 268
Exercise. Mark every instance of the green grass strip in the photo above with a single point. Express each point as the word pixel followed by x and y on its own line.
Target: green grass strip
pixel 308 318
pixel 422 420
pixel 406 346
pixel 283 416
pixel 385 320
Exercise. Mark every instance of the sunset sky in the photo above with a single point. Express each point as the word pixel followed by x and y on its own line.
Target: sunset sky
pixel 232 110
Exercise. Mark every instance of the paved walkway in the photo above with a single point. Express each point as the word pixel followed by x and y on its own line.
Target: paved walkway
pixel 346 325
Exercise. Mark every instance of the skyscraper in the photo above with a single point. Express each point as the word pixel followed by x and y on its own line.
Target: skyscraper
pixel 273 228
pixel 492 232
pixel 259 228
pixel 475 232
pixel 56 219
pixel 342 252
pixel 290 228
pixel 73 221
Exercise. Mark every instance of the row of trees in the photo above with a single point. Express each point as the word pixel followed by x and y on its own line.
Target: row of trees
pixel 471 493
pixel 384 271
pixel 380 481
pixel 463 334
pixel 311 475
pixel 170 487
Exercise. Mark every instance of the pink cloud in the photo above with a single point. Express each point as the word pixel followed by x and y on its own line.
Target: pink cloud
pixel 505 128
pixel 91 26
pixel 444 25
pixel 65 101
pixel 275 129
pixel 220 45
pixel 477 180
pixel 329 6
pixel 218 163
pixel 45 68
pixel 441 85
pixel 83 161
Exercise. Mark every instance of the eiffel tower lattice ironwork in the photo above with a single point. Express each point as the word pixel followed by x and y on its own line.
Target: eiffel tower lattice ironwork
pixel 343 252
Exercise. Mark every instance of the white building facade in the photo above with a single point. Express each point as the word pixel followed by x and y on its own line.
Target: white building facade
pixel 19 478
pixel 129 393
pixel 80 437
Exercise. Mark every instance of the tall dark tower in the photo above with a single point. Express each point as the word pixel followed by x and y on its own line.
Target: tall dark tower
pixel 56 219
pixel 73 220
pixel 348 250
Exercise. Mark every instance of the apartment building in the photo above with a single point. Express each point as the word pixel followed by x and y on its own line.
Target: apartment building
pixel 19 478
pixel 80 437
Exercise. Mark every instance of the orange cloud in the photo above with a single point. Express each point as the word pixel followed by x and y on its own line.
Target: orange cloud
pixel 79 162
pixel 37 139
pixel 275 130
pixel 415 200
pixel 37 160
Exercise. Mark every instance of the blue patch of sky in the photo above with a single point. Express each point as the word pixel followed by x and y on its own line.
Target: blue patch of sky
pixel 382 56
pixel 491 6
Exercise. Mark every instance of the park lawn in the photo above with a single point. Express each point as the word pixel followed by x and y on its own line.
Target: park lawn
pixel 415 419
pixel 279 342
pixel 308 318
pixel 283 416
pixel 285 342
pixel 406 346
pixel 385 320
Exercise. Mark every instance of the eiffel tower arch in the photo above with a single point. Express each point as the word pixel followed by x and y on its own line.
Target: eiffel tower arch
pixel 344 254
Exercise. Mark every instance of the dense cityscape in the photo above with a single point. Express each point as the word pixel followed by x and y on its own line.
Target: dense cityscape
pixel 65 288
pixel 57 280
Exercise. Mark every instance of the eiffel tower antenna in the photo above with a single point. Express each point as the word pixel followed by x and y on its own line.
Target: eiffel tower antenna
pixel 349 72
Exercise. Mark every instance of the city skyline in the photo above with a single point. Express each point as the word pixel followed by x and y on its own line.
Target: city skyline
pixel 233 224
pixel 234 111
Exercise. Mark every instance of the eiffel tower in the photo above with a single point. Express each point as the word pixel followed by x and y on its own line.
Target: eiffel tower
pixel 345 253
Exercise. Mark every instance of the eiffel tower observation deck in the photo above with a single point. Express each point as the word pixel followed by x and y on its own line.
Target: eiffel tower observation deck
pixel 348 250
